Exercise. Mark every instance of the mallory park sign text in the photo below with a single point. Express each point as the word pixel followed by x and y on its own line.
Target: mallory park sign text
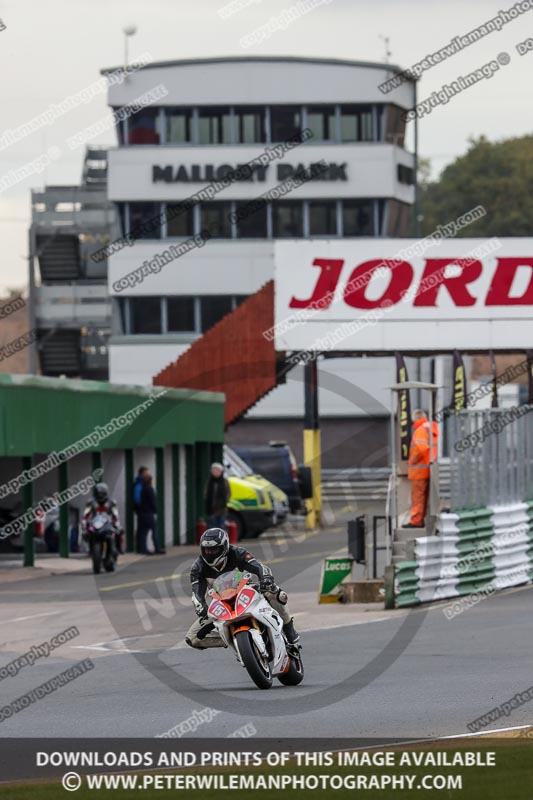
pixel 196 173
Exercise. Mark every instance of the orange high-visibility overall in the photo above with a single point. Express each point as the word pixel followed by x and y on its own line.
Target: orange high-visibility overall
pixel 418 470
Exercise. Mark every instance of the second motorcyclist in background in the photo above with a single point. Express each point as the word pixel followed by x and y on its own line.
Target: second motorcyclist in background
pixel 102 503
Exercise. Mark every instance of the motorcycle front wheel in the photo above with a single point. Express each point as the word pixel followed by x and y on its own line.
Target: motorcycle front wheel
pixel 295 673
pixel 259 672
pixel 97 557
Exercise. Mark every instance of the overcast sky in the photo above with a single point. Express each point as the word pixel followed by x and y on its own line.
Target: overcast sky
pixel 52 49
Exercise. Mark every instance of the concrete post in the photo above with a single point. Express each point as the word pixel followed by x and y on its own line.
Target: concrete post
pixel 27 500
pixel 129 519
pixel 63 512
pixel 160 486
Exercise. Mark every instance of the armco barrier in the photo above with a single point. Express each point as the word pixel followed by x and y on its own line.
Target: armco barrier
pixel 484 549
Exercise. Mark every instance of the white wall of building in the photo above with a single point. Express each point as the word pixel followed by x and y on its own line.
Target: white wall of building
pixel 136 364
pixel 219 267
pixel 347 387
pixel 371 171
pixel 261 81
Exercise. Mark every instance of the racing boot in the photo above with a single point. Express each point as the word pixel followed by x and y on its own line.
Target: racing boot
pixel 291 634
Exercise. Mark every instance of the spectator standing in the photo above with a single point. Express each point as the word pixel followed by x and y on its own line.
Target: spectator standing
pixel 147 516
pixel 217 495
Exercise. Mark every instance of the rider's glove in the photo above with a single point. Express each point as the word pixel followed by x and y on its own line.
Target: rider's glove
pixel 199 607
pixel 267 584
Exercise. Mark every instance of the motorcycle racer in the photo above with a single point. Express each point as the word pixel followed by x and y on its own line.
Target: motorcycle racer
pixel 218 556
pixel 102 503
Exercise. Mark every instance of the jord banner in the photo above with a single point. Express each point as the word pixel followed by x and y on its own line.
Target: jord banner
pixel 404 294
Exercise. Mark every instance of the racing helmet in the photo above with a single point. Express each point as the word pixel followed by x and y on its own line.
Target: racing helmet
pixel 214 548
pixel 101 492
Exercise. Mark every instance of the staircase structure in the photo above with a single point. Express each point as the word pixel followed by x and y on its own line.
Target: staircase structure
pixel 69 304
pixel 234 357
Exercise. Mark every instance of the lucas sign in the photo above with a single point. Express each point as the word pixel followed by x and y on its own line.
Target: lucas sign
pixel 386 295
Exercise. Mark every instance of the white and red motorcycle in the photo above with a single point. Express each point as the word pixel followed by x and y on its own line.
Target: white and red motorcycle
pixel 246 621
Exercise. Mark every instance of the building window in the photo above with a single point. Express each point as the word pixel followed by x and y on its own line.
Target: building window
pixel 178 125
pixel 215 126
pixel 180 315
pixel 121 128
pixel 250 125
pixel 323 218
pixel 406 174
pixel 212 309
pixel 121 209
pixel 358 218
pixel 145 314
pixel 357 124
pixel 321 121
pixel 179 222
pixel 122 317
pixel 288 219
pixel 215 217
pixel 395 126
pixel 142 126
pixel 254 224
pixel 285 121
pixel 145 220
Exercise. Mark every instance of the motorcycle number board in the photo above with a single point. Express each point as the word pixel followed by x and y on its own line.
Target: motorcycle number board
pixel 385 295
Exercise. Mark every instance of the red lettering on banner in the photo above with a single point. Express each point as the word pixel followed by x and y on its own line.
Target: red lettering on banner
pixel 498 294
pixel 401 277
pixel 325 285
pixel 434 278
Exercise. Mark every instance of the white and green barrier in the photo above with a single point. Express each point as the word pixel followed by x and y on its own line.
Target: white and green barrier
pixel 480 550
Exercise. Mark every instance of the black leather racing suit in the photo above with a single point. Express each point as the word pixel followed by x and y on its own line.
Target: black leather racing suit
pixel 201 577
pixel 238 558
